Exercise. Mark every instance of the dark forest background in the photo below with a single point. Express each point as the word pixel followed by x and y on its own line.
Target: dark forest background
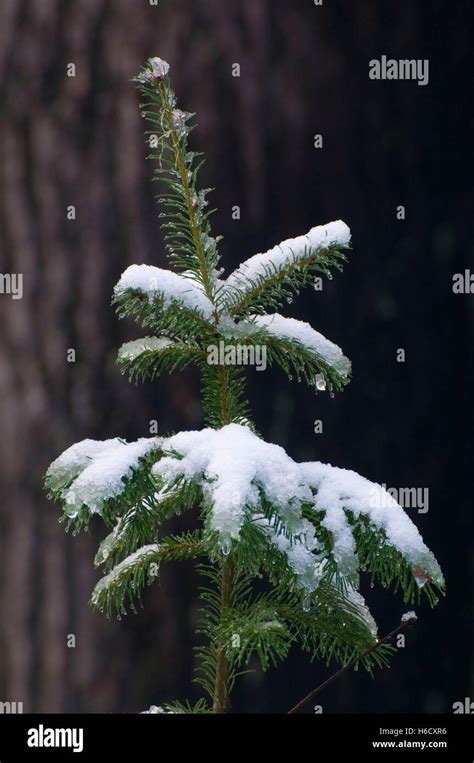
pixel 79 141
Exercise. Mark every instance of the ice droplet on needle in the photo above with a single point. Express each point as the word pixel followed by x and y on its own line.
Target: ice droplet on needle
pixel 320 382
pixel 225 547
pixel 421 578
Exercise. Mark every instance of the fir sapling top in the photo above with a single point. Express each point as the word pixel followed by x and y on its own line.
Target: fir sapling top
pixel 310 528
pixel 156 71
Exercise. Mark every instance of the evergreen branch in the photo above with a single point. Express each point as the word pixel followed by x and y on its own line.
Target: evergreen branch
pixel 243 345
pixel 176 321
pixel 352 664
pixel 327 626
pixel 137 486
pixel 326 623
pixel 387 564
pixel 144 359
pixel 254 629
pixel 128 577
pixel 139 523
pixel 297 360
pixel 374 555
pixel 186 708
pixel 277 284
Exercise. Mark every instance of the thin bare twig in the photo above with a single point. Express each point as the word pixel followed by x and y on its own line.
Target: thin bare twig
pixel 403 626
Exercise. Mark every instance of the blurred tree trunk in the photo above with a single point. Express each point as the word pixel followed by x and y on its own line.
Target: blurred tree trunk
pixel 78 141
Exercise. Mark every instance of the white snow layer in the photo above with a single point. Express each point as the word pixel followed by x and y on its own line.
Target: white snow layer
pixel 232 465
pixel 235 468
pixel 307 566
pixel 166 285
pixel 298 551
pixel 318 238
pixel 132 350
pixel 97 470
pixel 300 331
pixel 337 490
pixel 143 553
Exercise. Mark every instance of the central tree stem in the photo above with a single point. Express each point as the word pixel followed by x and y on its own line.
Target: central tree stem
pixel 221 703
pixel 221 699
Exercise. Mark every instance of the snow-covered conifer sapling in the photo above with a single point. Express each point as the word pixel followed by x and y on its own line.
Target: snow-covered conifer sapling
pixel 281 545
